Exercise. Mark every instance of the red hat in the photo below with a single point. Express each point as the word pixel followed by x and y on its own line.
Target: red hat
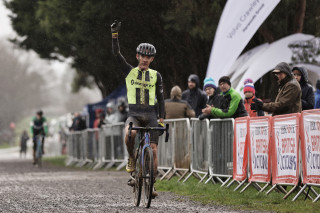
pixel 249 87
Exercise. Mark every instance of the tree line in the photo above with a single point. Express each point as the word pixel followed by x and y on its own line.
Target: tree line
pixel 181 31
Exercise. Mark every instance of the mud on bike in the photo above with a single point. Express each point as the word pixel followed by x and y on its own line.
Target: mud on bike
pixel 142 179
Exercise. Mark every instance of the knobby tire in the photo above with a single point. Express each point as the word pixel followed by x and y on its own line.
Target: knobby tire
pixel 148 174
pixel 138 181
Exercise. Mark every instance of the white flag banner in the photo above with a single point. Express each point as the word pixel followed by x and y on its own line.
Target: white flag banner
pixel 238 23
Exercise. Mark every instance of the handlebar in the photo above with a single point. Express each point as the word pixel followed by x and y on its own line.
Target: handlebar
pixel 166 129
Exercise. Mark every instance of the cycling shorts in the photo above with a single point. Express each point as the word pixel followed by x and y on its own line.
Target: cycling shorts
pixel 145 121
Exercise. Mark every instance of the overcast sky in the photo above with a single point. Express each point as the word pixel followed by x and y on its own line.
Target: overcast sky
pixel 6 29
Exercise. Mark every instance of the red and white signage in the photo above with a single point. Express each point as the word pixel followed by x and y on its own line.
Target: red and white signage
pixel 259 151
pixel 310 146
pixel 240 158
pixel 285 149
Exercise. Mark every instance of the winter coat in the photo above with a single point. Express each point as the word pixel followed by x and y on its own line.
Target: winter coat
pixel 251 113
pixel 195 97
pixel 317 99
pixel 213 100
pixel 288 99
pixel 177 108
pixel 231 106
pixel 307 95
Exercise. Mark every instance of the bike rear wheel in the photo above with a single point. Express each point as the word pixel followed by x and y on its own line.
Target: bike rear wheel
pixel 137 188
pixel 148 175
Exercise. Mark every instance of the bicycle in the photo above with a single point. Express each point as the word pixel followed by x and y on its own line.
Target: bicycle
pixel 39 151
pixel 143 176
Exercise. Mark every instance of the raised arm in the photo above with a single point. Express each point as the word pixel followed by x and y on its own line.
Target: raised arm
pixel 125 67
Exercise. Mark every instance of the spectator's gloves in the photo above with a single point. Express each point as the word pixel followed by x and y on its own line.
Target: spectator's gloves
pixel 256 105
pixel 160 124
pixel 201 117
pixel 115 27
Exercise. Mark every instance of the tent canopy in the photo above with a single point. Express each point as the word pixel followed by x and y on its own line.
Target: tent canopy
pixel 296 50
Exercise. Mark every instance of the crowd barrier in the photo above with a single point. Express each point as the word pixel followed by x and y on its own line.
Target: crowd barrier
pixel 288 141
pixel 224 151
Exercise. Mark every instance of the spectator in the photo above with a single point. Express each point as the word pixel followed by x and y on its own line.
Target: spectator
pixel 99 116
pixel 194 96
pixel 210 87
pixel 231 104
pixel 111 116
pixel 249 93
pixel 23 143
pixel 122 112
pixel 307 96
pixel 317 96
pixel 177 108
pixel 78 123
pixel 288 99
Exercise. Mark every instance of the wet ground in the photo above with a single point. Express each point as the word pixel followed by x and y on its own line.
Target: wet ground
pixel 26 188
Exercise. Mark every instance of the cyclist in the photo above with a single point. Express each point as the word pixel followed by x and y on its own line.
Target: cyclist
pixel 38 126
pixel 144 89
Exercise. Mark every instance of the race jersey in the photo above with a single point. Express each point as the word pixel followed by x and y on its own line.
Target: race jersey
pixel 39 127
pixel 144 87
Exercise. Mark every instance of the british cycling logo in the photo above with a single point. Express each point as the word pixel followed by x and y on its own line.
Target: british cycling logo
pixel 286 159
pixel 313 146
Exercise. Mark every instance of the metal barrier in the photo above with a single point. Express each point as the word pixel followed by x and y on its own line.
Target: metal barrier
pixel 221 162
pixel 200 140
pixel 111 146
pixel 165 152
pixel 174 156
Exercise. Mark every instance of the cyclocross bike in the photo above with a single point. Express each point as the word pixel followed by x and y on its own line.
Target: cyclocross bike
pixel 39 152
pixel 144 174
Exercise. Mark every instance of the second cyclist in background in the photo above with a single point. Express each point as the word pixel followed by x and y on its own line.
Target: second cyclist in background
pixel 38 126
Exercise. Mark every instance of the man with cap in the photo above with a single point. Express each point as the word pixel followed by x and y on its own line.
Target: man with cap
pixel 231 104
pixel 210 88
pixel 307 95
pixel 194 95
pixel 317 96
pixel 288 99
pixel 249 93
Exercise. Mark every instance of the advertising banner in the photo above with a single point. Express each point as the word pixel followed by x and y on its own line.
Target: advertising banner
pixel 238 23
pixel 310 146
pixel 285 152
pixel 240 156
pixel 259 149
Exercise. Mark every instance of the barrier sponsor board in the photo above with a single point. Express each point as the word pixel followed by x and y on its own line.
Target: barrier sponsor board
pixel 285 149
pixel 310 146
pixel 240 158
pixel 259 149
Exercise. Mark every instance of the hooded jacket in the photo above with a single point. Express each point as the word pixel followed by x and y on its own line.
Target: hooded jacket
pixel 307 94
pixel 195 97
pixel 288 99
pixel 177 108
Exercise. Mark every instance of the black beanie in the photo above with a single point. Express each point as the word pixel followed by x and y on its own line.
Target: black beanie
pixel 318 84
pixel 225 79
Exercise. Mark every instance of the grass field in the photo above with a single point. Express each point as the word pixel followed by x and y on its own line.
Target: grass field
pixel 213 194
pixel 248 200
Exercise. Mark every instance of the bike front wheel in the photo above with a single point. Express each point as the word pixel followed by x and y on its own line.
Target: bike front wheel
pixel 148 175
pixel 137 188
